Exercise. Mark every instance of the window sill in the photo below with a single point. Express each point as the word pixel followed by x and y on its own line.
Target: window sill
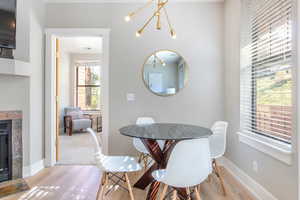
pixel 278 150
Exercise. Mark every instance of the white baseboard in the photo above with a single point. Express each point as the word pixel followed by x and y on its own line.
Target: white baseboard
pixel 33 168
pixel 250 184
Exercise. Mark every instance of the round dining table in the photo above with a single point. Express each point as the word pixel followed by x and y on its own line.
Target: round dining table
pixel 171 133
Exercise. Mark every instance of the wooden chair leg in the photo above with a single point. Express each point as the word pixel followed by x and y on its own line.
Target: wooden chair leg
pixel 140 157
pixel 70 128
pixel 197 193
pixel 145 161
pixel 129 187
pixel 189 193
pixel 70 131
pixel 214 165
pixel 106 178
pixel 174 195
pixel 217 168
pixel 101 187
pixel 163 194
pixel 99 190
pixel 209 179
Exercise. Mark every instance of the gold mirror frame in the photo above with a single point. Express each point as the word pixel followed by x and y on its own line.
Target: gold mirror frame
pixel 185 80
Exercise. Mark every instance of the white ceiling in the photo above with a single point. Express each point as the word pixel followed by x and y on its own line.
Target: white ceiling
pixel 81 45
pixel 123 1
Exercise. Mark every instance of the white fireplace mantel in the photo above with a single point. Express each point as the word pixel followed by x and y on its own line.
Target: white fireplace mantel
pixel 14 67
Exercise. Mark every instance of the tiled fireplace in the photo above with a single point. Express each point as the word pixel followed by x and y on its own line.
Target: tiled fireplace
pixel 11 150
pixel 5 150
pixel 11 153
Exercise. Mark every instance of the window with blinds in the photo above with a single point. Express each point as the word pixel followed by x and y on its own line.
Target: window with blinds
pixel 266 70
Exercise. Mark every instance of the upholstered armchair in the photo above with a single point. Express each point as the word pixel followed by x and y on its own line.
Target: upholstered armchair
pixel 75 120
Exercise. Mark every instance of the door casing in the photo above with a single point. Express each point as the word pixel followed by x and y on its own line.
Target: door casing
pixel 50 85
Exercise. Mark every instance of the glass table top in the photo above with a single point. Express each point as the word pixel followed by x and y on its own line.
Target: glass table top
pixel 165 131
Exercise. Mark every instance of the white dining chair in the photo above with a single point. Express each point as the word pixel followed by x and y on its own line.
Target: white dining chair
pixel 188 166
pixel 138 144
pixel 115 169
pixel 217 142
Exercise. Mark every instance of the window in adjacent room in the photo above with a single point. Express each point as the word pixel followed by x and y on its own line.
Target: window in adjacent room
pixel 266 70
pixel 88 86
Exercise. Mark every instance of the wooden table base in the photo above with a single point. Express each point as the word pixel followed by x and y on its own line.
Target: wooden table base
pixel 160 157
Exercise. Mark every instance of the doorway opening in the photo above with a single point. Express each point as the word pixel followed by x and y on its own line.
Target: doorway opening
pixel 78 89
pixel 76 94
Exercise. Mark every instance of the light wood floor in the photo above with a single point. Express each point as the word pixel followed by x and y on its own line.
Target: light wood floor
pixel 81 183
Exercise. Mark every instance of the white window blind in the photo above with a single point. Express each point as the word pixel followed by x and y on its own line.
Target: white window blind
pixel 266 69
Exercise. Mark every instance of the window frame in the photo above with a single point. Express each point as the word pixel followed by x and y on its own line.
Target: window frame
pixel 84 86
pixel 254 94
pixel 261 142
pixel 254 105
pixel 254 110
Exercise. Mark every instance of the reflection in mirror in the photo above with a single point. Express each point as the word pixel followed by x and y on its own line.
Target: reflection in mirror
pixel 165 73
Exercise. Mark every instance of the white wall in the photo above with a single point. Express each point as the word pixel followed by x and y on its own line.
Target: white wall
pixel 26 94
pixel 22 33
pixel 200 41
pixel 15 90
pixel 37 81
pixel 15 96
pixel 277 177
pixel 297 31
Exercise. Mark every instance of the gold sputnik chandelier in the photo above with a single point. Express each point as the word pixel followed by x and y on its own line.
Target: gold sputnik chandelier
pixel 160 8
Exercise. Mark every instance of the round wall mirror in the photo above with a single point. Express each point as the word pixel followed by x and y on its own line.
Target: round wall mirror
pixel 165 72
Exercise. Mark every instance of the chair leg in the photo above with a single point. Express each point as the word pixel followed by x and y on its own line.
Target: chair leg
pixel 143 157
pixel 106 178
pixel 70 131
pixel 99 190
pixel 163 194
pixel 209 179
pixel 218 172
pixel 145 161
pixel 129 187
pixel 140 157
pixel 197 193
pixel 189 193
pixel 174 195
pixel 101 187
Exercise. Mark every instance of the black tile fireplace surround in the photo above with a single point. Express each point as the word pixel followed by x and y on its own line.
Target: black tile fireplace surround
pixel 5 150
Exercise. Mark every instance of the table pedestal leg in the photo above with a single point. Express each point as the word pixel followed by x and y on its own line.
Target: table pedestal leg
pixel 147 178
pixel 154 187
pixel 160 157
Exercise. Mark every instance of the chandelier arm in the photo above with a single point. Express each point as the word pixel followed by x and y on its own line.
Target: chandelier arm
pixel 168 19
pixel 158 24
pixel 141 8
pixel 150 19
pixel 173 33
